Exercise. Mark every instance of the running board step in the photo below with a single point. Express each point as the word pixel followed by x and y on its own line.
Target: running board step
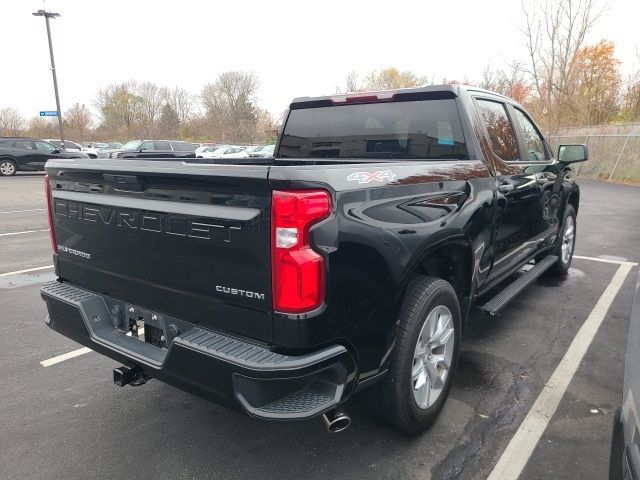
pixel 498 302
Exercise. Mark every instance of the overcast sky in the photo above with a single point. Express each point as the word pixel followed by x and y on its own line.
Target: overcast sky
pixel 303 47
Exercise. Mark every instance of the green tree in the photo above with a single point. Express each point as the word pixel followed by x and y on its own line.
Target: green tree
pixel 169 122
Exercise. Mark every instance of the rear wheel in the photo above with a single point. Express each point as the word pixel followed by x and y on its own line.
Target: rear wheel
pixel 7 167
pixel 424 358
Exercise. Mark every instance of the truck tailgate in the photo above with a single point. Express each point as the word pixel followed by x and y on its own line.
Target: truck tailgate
pixel 187 240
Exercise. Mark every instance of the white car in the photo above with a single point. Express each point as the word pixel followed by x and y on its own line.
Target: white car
pixel 227 151
pixel 93 149
pixel 69 146
pixel 263 151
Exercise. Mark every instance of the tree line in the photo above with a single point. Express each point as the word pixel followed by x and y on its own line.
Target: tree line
pixel 226 110
pixel 560 79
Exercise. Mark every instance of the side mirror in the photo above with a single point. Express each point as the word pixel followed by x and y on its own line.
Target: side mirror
pixel 573 153
pixel 55 150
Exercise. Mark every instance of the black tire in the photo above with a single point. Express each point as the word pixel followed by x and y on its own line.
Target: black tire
pixel 561 267
pixel 392 399
pixel 8 167
pixel 616 456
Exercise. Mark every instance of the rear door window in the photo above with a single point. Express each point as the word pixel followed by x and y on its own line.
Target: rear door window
pixel 183 147
pixel 420 129
pixel 162 145
pixel 23 144
pixel 501 133
pixel 44 146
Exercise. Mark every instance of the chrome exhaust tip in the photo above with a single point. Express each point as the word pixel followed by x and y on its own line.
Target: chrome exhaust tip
pixel 336 421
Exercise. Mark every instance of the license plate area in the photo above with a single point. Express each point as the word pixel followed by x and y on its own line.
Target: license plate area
pixel 146 326
pixel 148 333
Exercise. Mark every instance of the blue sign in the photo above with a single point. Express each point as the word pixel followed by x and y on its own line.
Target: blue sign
pixel 48 113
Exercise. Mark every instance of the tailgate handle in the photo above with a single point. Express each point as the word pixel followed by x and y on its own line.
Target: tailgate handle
pixel 124 183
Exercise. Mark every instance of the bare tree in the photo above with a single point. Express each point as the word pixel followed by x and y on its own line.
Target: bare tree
pixel 151 102
pixel 554 32
pixel 386 79
pixel 230 105
pixel 266 125
pixel 630 101
pixel 181 101
pixel 510 81
pixel 78 121
pixel 42 127
pixel 391 78
pixel 11 122
pixel 352 83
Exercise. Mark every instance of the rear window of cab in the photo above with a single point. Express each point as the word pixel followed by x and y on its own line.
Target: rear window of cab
pixel 423 129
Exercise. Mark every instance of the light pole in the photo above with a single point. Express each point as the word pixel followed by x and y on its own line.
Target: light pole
pixel 47 16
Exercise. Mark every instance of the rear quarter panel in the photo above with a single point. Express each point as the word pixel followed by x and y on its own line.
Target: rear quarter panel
pixel 385 219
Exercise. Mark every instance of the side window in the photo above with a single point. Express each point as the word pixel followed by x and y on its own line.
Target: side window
pixel 503 140
pixel 162 146
pixel 182 147
pixel 23 144
pixel 147 146
pixel 534 143
pixel 44 146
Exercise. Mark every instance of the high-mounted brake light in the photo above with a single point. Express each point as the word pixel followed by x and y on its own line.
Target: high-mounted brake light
pixel 364 97
pixel 47 194
pixel 297 270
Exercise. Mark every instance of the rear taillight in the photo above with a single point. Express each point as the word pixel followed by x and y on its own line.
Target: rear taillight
pixel 297 270
pixel 47 195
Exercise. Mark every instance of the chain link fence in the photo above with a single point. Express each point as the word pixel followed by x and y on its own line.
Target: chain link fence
pixel 614 151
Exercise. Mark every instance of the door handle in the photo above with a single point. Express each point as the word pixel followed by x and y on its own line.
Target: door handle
pixel 505 187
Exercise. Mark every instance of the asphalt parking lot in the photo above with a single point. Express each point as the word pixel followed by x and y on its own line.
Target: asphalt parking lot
pixel 68 420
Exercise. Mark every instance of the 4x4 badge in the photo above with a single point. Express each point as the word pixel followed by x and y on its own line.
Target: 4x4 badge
pixel 367 177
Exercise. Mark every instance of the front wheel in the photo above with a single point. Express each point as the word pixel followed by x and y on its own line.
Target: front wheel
pixel 566 242
pixel 424 358
pixel 7 167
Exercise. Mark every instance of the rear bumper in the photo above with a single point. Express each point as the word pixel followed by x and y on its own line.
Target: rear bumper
pixel 212 365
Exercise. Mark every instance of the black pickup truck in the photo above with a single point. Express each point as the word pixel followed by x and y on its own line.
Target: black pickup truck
pixel 348 262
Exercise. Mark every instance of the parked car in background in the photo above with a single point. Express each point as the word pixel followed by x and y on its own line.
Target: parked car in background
pixel 226 151
pixel 263 151
pixel 69 146
pixel 94 148
pixel 252 148
pixel 154 149
pixel 202 149
pixel 115 144
pixel 28 154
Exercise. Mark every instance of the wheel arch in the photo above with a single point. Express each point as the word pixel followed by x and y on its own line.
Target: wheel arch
pixel 450 260
pixel 573 199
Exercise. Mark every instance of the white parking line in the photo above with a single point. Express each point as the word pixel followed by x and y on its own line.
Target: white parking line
pixel 605 260
pixel 65 356
pixel 26 270
pixel 515 456
pixel 22 233
pixel 23 211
